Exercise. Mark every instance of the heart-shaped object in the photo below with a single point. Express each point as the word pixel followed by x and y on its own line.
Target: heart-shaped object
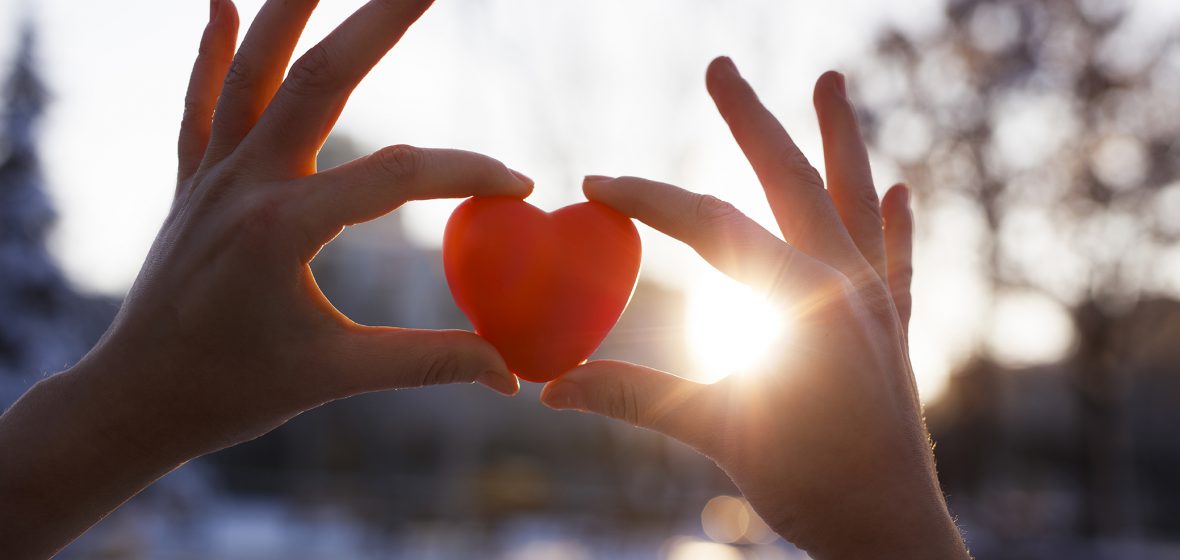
pixel 543 288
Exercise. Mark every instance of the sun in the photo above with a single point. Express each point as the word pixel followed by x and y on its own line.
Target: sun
pixel 730 328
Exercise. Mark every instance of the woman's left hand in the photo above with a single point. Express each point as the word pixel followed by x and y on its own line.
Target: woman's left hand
pixel 225 335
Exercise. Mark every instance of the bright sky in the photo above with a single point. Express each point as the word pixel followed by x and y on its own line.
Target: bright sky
pixel 557 89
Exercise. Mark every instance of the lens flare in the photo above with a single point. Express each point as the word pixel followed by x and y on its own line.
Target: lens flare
pixel 730 328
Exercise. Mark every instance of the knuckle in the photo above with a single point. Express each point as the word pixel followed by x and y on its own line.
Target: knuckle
pixel 313 72
pixel 866 203
pixel 840 297
pixel 901 275
pixel 194 110
pixel 624 404
pixel 214 187
pixel 239 74
pixel 797 168
pixel 263 216
pixel 441 369
pixel 860 300
pixel 712 210
pixel 401 162
pixel 210 49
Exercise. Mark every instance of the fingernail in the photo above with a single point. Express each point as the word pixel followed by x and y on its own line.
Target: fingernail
pixel 213 7
pixel 562 395
pixel 523 178
pixel 840 86
pixel 500 382
pixel 597 178
pixel 904 193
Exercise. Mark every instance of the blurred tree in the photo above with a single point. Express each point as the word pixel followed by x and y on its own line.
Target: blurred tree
pixel 1053 126
pixel 44 323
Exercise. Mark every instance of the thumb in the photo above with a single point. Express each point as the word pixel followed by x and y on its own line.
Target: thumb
pixel 643 397
pixel 379 358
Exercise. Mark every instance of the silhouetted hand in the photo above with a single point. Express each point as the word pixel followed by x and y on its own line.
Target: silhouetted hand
pixel 828 444
pixel 225 334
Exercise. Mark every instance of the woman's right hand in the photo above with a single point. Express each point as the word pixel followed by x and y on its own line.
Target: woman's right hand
pixel 828 445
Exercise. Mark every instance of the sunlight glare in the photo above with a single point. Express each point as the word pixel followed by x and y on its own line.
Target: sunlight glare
pixel 730 328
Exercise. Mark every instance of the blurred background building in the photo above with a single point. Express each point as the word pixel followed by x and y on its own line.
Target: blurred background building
pixel 1041 139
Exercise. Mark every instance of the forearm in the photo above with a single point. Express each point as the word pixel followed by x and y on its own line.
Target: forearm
pixel 75 447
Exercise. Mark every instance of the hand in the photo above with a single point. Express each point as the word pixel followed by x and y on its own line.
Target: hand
pixel 225 335
pixel 828 444
pixel 227 303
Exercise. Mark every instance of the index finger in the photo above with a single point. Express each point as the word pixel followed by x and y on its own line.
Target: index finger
pixel 372 186
pixel 729 240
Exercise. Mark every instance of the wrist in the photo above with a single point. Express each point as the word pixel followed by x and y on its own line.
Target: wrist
pixel 109 407
pixel 73 453
pixel 917 530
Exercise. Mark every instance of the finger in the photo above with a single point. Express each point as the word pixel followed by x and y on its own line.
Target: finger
pixel 643 397
pixel 257 71
pixel 375 185
pixel 380 358
pixel 213 60
pixel 850 181
pixel 723 236
pixel 899 249
pixel 796 193
pixel 304 110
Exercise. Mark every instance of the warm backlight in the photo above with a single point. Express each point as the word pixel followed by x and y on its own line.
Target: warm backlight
pixel 731 329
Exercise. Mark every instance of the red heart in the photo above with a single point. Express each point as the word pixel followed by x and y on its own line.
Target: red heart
pixel 543 288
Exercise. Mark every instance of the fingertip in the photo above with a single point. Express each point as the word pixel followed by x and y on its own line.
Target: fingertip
pixel 480 353
pixel 224 25
pixel 903 194
pixel 524 183
pixel 571 390
pixel 896 199
pixel 720 69
pixel 500 381
pixel 227 13
pixel 476 352
pixel 721 66
pixel 592 185
pixel 480 174
pixel 563 394
pixel 524 179
pixel 829 85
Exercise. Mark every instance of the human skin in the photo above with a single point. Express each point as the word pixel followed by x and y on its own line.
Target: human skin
pixel 828 443
pixel 225 335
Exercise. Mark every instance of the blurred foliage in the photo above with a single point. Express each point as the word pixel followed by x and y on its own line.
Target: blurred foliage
pixel 1057 122
pixel 1050 130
